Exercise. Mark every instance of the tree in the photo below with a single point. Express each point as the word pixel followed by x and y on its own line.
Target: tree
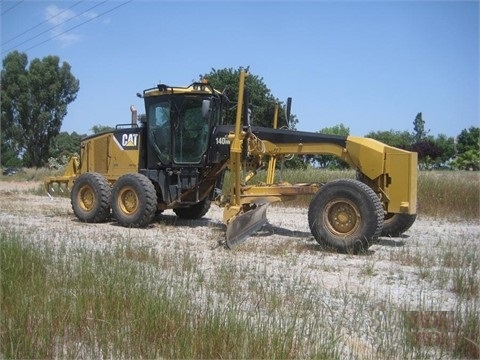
pixel 447 147
pixel 468 148
pixel 9 158
pixel 262 102
pixel 400 139
pixel 34 102
pixel 468 140
pixel 428 153
pixel 97 129
pixel 469 160
pixel 331 161
pixel 419 128
pixel 14 78
pixel 65 144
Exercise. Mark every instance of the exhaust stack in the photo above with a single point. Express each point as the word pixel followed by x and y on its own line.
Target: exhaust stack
pixel 133 109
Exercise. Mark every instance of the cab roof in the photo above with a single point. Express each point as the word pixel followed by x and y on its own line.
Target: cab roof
pixel 194 88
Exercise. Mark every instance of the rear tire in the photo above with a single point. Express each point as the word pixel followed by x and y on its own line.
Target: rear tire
pixel 90 198
pixel 134 200
pixel 195 211
pixel 346 215
pixel 395 225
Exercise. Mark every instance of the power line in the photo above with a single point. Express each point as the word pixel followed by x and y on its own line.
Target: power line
pixel 12 7
pixel 76 26
pixel 54 27
pixel 41 23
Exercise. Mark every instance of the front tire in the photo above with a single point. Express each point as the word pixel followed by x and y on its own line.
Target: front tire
pixel 395 225
pixel 134 200
pixel 346 215
pixel 90 198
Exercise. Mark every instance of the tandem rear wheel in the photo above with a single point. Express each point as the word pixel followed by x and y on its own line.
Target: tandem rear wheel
pixel 346 215
pixel 195 211
pixel 90 198
pixel 396 224
pixel 133 200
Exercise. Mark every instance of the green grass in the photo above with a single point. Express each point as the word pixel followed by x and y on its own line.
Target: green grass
pixel 137 302
pixel 116 304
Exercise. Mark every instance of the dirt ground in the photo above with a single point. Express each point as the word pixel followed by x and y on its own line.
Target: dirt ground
pixel 401 270
pixel 286 236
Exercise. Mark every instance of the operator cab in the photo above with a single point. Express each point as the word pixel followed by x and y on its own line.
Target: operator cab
pixel 179 123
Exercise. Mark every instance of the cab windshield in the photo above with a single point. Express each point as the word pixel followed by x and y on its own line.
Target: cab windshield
pixel 178 129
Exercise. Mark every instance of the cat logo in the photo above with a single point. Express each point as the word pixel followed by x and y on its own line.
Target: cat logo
pixel 127 141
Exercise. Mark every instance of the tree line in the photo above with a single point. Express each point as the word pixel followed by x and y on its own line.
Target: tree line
pixel 434 152
pixel 35 97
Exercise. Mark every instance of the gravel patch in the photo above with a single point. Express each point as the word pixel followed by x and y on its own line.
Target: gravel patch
pixel 408 273
pixel 284 247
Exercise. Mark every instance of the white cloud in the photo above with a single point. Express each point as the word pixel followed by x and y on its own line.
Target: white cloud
pixel 65 39
pixel 90 15
pixel 56 16
pixel 63 19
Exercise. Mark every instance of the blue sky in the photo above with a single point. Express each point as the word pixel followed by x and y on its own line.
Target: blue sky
pixel 369 65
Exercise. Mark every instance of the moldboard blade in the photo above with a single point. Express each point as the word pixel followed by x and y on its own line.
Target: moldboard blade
pixel 244 225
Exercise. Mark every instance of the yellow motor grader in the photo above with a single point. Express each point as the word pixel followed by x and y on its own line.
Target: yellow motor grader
pixel 176 159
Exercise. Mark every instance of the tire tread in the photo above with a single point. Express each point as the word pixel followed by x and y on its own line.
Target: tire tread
pixel 147 198
pixel 98 182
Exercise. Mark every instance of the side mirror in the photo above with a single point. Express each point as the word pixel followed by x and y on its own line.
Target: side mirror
pixel 206 109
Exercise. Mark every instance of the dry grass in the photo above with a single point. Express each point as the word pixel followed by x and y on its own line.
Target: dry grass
pixel 453 195
pixel 131 300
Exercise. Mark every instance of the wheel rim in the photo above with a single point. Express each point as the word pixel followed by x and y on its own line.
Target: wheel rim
pixel 389 217
pixel 86 198
pixel 342 217
pixel 128 200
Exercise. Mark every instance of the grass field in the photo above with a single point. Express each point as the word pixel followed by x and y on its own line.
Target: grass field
pixel 132 302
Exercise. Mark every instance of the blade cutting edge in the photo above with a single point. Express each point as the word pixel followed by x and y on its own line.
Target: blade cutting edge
pixel 246 224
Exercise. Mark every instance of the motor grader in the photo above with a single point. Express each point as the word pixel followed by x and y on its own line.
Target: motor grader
pixel 178 155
